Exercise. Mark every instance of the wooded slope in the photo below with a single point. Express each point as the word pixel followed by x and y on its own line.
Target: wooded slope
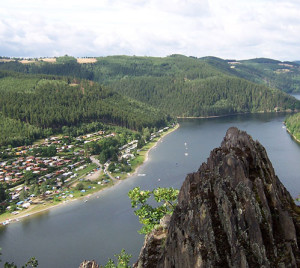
pixel 43 105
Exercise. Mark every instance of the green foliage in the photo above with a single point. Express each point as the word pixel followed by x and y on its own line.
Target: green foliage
pixel 66 59
pixel 23 195
pixel 146 134
pixel 147 92
pixel 80 186
pixel 216 95
pixel 3 192
pixel 45 151
pixel 29 177
pixel 187 86
pixel 141 143
pixel 293 125
pixel 111 167
pixel 16 133
pixel 43 187
pixel 122 261
pixel 282 75
pixel 54 104
pixel 148 215
pixel 25 84
pixel 33 262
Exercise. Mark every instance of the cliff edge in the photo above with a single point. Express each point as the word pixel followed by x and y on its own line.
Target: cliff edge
pixel 232 212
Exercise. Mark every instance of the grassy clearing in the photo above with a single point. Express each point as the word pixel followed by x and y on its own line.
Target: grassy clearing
pixel 86 170
pixel 86 60
pixel 51 60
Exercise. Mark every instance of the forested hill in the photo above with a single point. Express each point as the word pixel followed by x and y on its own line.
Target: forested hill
pixel 273 73
pixel 32 106
pixel 187 86
pixel 293 125
pixel 180 85
pixel 205 97
pixel 276 74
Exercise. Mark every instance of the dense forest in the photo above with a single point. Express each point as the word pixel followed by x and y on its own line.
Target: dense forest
pixel 205 97
pixel 282 75
pixel 33 106
pixel 272 73
pixel 293 125
pixel 178 85
pixel 137 92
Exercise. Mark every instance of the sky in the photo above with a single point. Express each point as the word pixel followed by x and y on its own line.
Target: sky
pixel 231 29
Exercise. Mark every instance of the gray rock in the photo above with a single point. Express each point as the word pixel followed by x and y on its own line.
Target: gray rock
pixel 232 212
pixel 89 264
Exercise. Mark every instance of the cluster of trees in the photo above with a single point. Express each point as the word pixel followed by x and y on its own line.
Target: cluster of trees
pixel 293 125
pixel 139 92
pixel 108 148
pixel 272 73
pixel 44 151
pixel 56 105
pixel 269 72
pixel 14 132
pixel 66 66
pixel 149 215
pixel 217 95
pixel 122 261
pixel 281 75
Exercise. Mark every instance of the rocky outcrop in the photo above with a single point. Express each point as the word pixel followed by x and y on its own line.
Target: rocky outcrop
pixel 89 264
pixel 232 212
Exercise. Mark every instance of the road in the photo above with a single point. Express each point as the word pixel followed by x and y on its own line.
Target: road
pixel 96 161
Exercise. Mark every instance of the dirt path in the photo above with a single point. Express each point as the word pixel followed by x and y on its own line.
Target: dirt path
pixel 97 173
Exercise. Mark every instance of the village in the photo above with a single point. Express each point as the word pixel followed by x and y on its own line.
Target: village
pixel 61 168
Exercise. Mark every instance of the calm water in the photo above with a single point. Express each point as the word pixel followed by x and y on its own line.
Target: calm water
pixel 65 236
pixel 296 95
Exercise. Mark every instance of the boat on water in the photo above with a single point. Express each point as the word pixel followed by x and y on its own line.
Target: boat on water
pixel 141 174
pixel 186 154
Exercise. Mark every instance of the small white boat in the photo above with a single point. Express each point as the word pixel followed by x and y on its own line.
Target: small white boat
pixel 141 175
pixel 186 154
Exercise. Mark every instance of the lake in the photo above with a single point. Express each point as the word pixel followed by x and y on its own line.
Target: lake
pixel 101 227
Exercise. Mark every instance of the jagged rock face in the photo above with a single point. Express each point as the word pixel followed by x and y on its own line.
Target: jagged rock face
pixel 232 212
pixel 89 264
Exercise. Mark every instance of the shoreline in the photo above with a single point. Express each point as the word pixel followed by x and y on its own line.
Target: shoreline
pixel 17 218
pixel 297 140
pixel 135 172
pixel 224 115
